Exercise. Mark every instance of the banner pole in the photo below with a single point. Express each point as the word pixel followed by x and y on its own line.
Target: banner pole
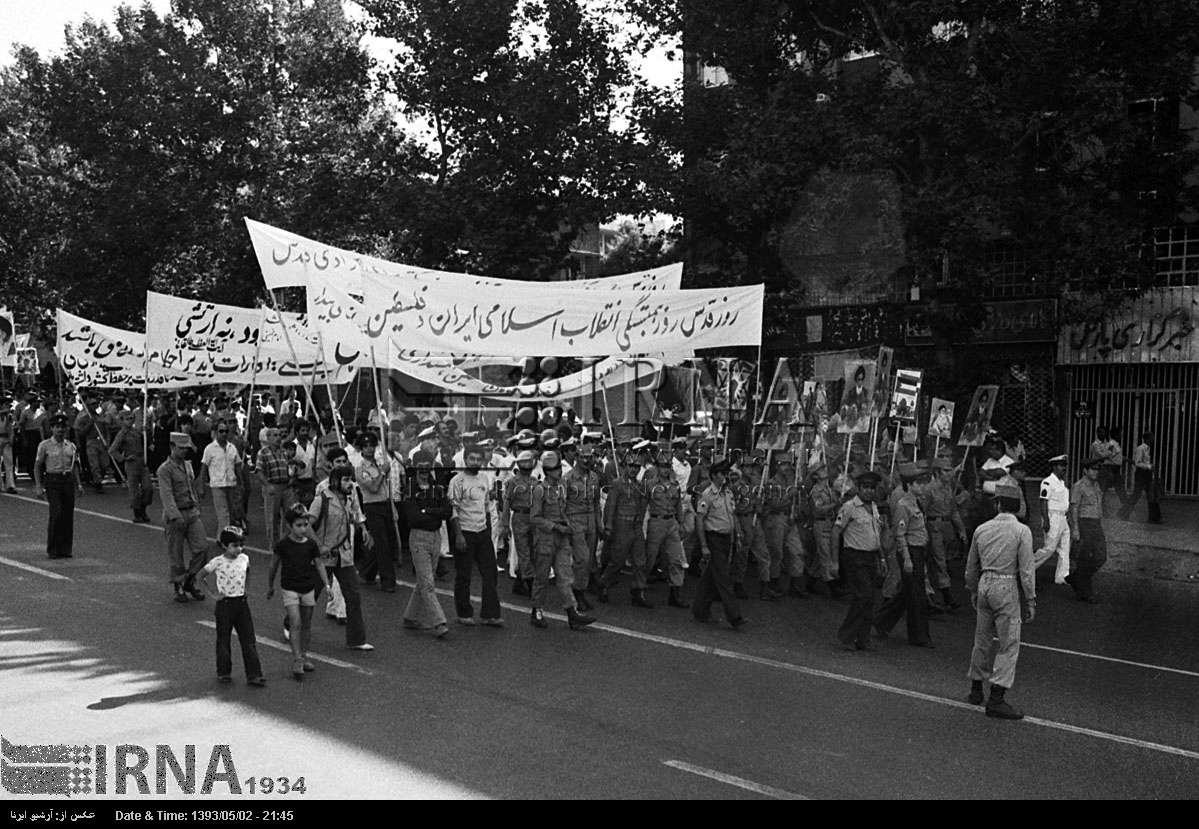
pixel 253 382
pixel 320 339
pixel 383 430
pixel 611 428
pixel 146 409
pixel 896 446
pixel 290 347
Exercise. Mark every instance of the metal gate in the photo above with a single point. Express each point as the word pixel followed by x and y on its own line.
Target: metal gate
pixel 1130 400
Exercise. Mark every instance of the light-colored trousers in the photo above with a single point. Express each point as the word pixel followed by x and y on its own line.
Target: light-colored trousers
pixel 222 503
pixel 1057 540
pixel 998 617
pixel 663 536
pixel 423 607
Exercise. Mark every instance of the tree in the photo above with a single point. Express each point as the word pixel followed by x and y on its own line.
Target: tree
pixel 993 123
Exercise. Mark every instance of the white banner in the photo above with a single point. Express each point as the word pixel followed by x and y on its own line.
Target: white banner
pixel 100 356
pixel 288 260
pixel 544 318
pixel 219 344
pixel 8 338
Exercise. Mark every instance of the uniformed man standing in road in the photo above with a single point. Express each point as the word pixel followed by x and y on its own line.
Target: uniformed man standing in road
pixel 662 533
pixel 944 521
pixel 56 474
pixel 181 516
pixel 624 537
pixel 1089 545
pixel 7 434
pixel 857 541
pixel 824 568
pixel 1055 522
pixel 128 447
pixel 552 545
pixel 517 499
pixel 911 539
pixel 999 568
pixel 715 525
pixel 583 514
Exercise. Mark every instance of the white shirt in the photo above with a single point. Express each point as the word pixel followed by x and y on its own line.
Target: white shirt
pixel 221 464
pixel 308 458
pixel 682 472
pixel 1003 463
pixel 1055 491
pixel 230 574
pixel 469 496
pixel 1142 457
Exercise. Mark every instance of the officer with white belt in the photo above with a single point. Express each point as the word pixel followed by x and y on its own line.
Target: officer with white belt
pixel 1055 504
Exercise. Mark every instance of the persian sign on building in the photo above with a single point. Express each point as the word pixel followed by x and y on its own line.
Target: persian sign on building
pixel 1161 326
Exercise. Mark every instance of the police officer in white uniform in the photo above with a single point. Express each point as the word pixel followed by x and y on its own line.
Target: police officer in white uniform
pixel 1055 504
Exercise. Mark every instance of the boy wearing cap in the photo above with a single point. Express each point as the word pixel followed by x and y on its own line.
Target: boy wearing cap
pixel 1055 507
pixel 56 475
pixel 181 516
pixel 1089 545
pixel 232 610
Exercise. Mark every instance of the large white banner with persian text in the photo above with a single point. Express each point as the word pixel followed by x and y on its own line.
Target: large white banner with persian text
pixel 288 260
pixel 100 356
pixel 544 318
pixel 227 344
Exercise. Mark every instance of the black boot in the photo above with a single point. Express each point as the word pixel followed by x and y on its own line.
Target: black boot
pixel 537 619
pixel 180 596
pixel 947 597
pixel 519 588
pixel 577 620
pixel 739 591
pixel 639 600
pixel 797 587
pixel 834 589
pixel 601 593
pixel 766 594
pixel 581 601
pixel 192 590
pixel 976 692
pixel 675 600
pixel 998 707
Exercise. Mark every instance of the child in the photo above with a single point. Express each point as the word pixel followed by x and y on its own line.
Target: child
pixel 299 557
pixel 232 609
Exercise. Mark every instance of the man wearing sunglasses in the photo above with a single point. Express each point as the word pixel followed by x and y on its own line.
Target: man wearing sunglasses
pixel 220 468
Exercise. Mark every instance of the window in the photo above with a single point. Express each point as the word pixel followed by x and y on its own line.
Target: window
pixel 1176 256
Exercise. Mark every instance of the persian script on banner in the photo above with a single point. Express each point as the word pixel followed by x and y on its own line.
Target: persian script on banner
pixel 289 260
pixel 100 356
pixel 227 344
pixel 546 319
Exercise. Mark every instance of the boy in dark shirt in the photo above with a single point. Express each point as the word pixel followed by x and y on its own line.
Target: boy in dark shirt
pixel 299 558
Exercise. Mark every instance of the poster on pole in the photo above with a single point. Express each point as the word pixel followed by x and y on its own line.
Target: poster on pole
pixel 940 424
pixel 857 397
pixel 906 394
pixel 978 419
pixel 784 391
pixel 882 386
pixel 27 361
pixel 8 338
pixel 732 379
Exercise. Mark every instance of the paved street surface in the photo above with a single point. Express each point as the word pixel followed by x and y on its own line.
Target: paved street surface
pixel 647 704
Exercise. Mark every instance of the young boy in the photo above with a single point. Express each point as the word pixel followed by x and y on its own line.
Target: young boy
pixel 299 558
pixel 232 608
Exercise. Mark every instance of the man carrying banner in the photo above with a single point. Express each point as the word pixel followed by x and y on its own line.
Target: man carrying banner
pixel 128 448
pixel 87 432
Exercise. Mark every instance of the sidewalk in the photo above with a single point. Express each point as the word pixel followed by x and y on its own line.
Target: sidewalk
pixel 1169 550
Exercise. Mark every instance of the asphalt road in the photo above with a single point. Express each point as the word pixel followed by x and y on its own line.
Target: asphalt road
pixel 646 704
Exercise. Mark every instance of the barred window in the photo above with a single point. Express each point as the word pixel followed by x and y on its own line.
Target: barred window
pixel 1176 256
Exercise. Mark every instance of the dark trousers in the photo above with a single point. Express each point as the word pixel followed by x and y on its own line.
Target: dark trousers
pixel 859 569
pixel 1089 554
pixel 715 583
pixel 1142 481
pixel 234 614
pixel 479 552
pixel 60 532
pixel 30 438
pixel 911 600
pixel 380 560
pixel 347 580
pixel 402 531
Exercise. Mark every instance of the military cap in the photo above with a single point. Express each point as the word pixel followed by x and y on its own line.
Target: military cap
pixel 1007 491
pixel 1062 459
pixel 592 437
pixel 60 420
pixel 527 456
pixel 549 460
pixel 551 443
pixel 641 445
pixel 569 443
pixel 868 478
pixel 1092 463
pixel 721 467
pixel 586 451
pixel 428 432
pixel 182 439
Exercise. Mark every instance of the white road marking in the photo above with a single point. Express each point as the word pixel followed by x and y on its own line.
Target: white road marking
pixel 1110 659
pixel 20 565
pixel 279 646
pixel 732 780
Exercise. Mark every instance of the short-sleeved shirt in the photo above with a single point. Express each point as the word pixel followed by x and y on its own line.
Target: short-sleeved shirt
pixel 1055 491
pixel 299 561
pixel 221 463
pixel 230 574
pixel 1087 497
pixel 60 458
pixel 716 509
pixel 273 465
pixel 909 520
pixel 469 497
pixel 859 523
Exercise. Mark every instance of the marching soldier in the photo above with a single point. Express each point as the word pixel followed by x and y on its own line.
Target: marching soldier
pixel 552 544
pixel 518 499
pixel 87 432
pixel 715 525
pixel 624 514
pixel 1055 507
pixel 1089 545
pixel 825 567
pixel 857 539
pixel 665 518
pixel 56 474
pixel 943 518
pixel 749 538
pixel 911 538
pixel 795 555
pixel 998 567
pixel 583 514
pixel 776 518
pixel 128 448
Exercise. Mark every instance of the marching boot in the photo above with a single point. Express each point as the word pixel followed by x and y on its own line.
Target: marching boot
pixel 818 587
pixel 180 596
pixel 639 600
pixel 998 707
pixel 577 620
pixel 976 692
pixel 775 589
pixel 739 591
pixel 797 588
pixel 947 597
pixel 537 619
pixel 581 601
pixel 766 594
pixel 675 600
pixel 835 590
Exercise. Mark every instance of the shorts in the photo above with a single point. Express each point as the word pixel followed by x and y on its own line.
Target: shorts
pixel 293 599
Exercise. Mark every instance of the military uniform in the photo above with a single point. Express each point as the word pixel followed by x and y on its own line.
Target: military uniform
pixel 1056 496
pixel 624 512
pixel 749 536
pixel 663 530
pixel 127 448
pixel 824 566
pixel 944 520
pixel 552 546
pixel 1090 549
pixel 87 432
pixel 777 528
pixel 859 524
pixel 518 500
pixel 911 537
pixel 583 515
